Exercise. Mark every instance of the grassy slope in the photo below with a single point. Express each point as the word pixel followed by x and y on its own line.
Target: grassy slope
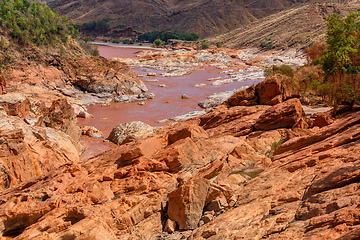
pixel 296 27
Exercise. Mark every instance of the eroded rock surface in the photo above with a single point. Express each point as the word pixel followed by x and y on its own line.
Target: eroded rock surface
pixel 28 151
pixel 218 184
pixel 241 170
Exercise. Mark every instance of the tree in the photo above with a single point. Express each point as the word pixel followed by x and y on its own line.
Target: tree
pixel 340 82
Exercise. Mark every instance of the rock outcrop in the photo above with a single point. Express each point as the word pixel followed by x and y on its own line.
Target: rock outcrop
pixel 239 171
pixel 27 151
pixel 99 75
pixel 186 203
pixel 272 91
pixel 309 191
pixel 283 115
pixel 83 81
pixel 61 116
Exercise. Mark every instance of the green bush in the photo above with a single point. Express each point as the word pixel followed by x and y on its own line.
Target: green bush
pixel 115 40
pixel 267 44
pixel 86 39
pixel 205 45
pixel 128 41
pixel 166 35
pixel 158 43
pixel 121 26
pixel 219 45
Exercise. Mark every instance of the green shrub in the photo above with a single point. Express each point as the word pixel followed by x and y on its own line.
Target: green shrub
pixel 219 45
pixel 121 26
pixel 205 45
pixel 166 35
pixel 86 39
pixel 128 41
pixel 115 40
pixel 158 43
pixel 267 44
pixel 340 61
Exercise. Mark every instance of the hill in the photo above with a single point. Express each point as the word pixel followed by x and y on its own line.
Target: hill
pixel 295 27
pixel 204 17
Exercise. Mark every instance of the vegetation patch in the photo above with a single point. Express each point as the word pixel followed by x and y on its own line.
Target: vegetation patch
pixel 35 23
pixel 166 35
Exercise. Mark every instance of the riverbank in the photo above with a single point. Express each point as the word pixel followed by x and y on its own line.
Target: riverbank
pixel 121 45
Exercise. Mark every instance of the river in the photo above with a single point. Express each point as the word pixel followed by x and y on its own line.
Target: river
pixel 167 103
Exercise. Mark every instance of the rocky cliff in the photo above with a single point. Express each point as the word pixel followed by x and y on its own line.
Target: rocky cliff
pixel 240 171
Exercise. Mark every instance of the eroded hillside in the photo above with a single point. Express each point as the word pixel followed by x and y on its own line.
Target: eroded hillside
pixel 205 17
pixel 295 27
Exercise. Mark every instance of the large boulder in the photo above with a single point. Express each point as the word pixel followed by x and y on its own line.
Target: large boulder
pixel 283 115
pixel 186 203
pixel 275 89
pixel 270 92
pixel 128 132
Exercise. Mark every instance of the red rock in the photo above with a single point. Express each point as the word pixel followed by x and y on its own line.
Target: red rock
pixel 270 91
pixel 81 112
pixel 322 195
pixel 187 202
pixel 211 171
pixel 245 97
pixel 217 204
pixel 98 75
pixel 16 162
pixel 283 115
pixel 2 84
pixel 16 105
pixel 323 119
pixel 145 147
pixel 61 117
pixel 236 121
pixel 301 124
pixel 181 132
pixel 185 153
pixel 91 132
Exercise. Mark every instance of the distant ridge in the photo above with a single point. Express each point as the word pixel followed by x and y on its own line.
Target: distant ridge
pixel 204 17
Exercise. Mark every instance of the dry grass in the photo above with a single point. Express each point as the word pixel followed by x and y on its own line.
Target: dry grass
pixel 297 27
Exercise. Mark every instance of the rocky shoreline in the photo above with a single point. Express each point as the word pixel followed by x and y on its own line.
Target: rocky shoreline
pixel 256 164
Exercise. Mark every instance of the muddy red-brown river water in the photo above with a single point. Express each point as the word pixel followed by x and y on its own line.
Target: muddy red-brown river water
pixel 166 104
